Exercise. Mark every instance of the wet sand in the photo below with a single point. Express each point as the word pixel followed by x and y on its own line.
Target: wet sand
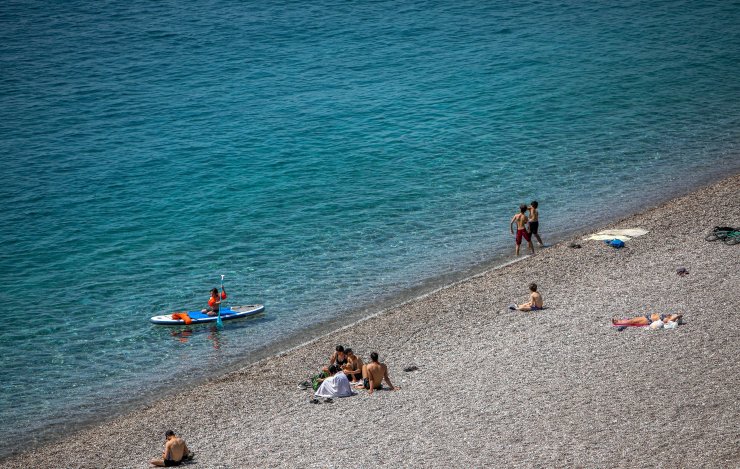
pixel 495 388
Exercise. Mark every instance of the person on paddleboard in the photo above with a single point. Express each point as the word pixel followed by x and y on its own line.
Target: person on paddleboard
pixel 214 303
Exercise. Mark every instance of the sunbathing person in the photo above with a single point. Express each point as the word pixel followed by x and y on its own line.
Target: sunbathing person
pixel 647 319
pixel 336 385
pixel 535 302
pixel 175 451
pixel 374 373
pixel 353 368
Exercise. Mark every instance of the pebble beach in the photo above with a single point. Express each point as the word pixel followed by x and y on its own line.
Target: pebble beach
pixel 494 387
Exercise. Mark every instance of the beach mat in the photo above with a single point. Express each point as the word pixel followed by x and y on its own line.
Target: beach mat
pixel 623 234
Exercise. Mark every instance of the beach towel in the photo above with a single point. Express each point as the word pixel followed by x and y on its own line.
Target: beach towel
pixel 622 235
pixel 631 232
pixel 335 386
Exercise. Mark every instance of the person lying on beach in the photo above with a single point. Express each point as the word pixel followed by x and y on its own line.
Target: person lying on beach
pixel 336 385
pixel 175 451
pixel 520 219
pixel 535 302
pixel 374 373
pixel 647 319
pixel 214 302
pixel 534 221
pixel 353 368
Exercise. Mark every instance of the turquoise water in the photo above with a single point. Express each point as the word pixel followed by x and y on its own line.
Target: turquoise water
pixel 323 157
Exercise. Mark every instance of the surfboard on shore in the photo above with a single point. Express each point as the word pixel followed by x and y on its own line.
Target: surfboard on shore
pixel 196 317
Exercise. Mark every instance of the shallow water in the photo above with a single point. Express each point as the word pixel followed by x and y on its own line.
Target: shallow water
pixel 323 157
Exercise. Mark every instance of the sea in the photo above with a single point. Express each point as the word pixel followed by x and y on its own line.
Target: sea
pixel 330 159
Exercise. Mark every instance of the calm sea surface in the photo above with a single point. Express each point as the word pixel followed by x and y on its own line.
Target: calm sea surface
pixel 324 156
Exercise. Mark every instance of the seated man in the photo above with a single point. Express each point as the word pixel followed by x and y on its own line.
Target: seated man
pixel 647 319
pixel 535 302
pixel 374 373
pixel 353 368
pixel 336 385
pixel 175 451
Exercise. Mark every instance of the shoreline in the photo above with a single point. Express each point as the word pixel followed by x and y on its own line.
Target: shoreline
pixel 317 345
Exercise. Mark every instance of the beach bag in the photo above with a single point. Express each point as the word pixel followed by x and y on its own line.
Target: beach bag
pixel 615 243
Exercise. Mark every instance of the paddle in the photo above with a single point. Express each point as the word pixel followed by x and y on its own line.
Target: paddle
pixel 220 323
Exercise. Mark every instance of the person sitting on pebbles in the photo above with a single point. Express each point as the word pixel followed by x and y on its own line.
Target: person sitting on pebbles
pixel 336 385
pixel 647 319
pixel 353 368
pixel 374 373
pixel 339 357
pixel 535 302
pixel 175 451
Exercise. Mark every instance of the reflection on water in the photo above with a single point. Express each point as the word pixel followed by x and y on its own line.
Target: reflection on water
pixel 211 332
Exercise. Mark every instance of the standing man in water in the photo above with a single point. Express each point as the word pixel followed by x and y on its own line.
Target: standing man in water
pixel 521 228
pixel 534 222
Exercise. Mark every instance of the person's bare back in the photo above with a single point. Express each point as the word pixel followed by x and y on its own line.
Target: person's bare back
pixel 535 302
pixel 536 299
pixel 521 221
pixel 175 451
pixel 374 373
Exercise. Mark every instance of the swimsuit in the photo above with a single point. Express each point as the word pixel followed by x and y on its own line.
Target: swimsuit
pixel 522 233
pixel 339 362
pixel 366 384
pixel 650 320
pixel 533 226
pixel 535 308
pixel 171 462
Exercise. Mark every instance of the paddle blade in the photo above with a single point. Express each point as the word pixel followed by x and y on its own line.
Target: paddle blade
pixel 219 322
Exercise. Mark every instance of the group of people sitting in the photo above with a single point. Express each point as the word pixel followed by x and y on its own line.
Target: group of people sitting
pixel 345 370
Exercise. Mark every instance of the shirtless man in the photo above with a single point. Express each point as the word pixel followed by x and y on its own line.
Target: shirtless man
pixel 535 302
pixel 521 228
pixel 374 373
pixel 175 451
pixel 534 221
pixel 353 368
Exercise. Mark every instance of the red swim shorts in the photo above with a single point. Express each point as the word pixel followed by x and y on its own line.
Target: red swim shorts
pixel 519 234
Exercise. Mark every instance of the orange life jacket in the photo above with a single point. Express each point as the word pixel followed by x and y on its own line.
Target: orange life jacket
pixel 184 316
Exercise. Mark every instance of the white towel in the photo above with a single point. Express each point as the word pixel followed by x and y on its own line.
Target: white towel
pixel 335 386
pixel 622 235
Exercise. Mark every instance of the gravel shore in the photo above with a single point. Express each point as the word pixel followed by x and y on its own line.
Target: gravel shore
pixel 494 388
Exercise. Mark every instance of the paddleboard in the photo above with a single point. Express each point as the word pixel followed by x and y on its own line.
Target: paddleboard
pixel 227 313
